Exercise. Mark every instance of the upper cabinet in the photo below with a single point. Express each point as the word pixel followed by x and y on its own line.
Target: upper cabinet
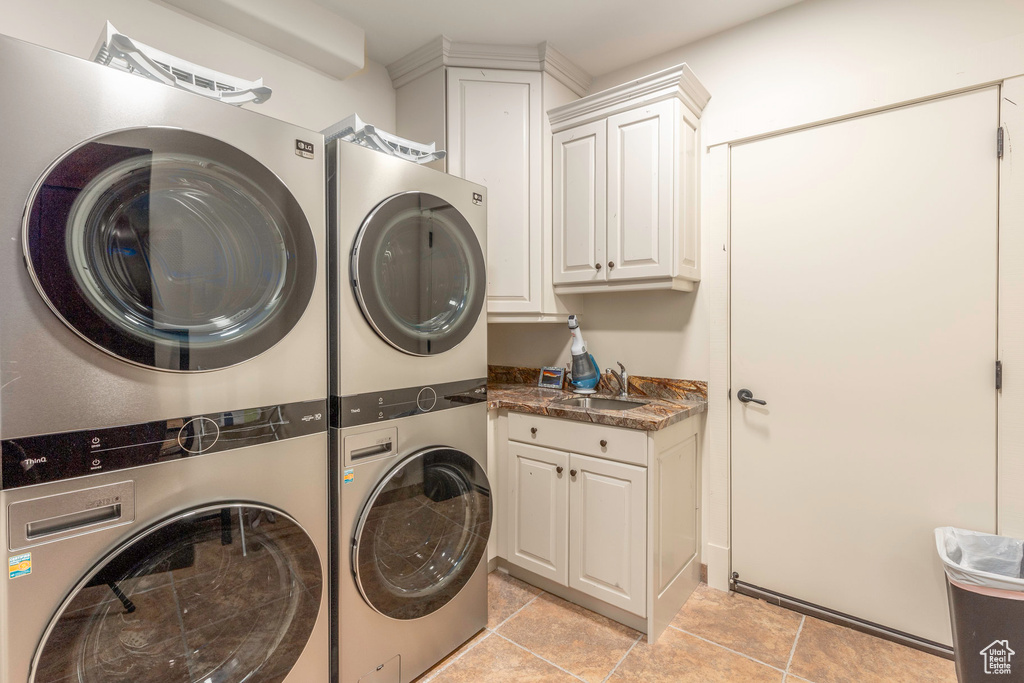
pixel 486 106
pixel 625 186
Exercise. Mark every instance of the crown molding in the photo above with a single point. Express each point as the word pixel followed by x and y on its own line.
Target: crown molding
pixel 442 51
pixel 678 81
pixel 563 70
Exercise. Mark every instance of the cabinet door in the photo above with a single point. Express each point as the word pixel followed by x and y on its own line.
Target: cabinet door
pixel 642 192
pixel 537 524
pixel 494 139
pixel 578 205
pixel 608 531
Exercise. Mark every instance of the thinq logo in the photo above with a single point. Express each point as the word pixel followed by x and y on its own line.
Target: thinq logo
pixel 997 657
pixel 27 463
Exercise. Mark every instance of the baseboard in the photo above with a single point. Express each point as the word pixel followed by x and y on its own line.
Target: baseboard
pixel 719 567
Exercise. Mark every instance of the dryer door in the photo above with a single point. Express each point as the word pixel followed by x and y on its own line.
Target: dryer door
pixel 222 594
pixel 170 249
pixel 422 533
pixel 418 273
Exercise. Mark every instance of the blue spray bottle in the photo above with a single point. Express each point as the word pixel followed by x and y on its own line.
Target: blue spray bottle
pixel 585 373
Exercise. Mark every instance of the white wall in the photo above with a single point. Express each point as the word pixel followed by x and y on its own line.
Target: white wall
pixel 302 95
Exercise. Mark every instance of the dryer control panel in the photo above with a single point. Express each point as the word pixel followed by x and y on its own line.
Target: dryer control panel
pixel 52 457
pixel 362 409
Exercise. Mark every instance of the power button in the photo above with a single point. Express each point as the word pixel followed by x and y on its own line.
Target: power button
pixel 198 435
pixel 426 399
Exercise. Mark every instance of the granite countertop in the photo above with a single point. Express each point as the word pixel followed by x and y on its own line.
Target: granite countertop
pixel 670 401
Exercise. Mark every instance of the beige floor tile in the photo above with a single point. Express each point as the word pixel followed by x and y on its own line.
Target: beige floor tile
pixel 578 640
pixel 751 627
pixel 681 658
pixel 506 595
pixel 495 660
pixel 455 655
pixel 826 653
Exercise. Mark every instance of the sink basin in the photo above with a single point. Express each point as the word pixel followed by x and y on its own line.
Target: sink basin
pixel 603 403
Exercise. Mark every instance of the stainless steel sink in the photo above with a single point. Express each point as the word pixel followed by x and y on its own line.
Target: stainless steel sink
pixel 603 402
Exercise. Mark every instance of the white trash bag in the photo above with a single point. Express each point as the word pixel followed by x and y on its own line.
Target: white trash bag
pixel 977 559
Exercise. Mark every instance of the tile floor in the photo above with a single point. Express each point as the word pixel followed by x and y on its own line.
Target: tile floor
pixel 534 637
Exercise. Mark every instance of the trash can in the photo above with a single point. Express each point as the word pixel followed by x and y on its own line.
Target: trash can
pixel 986 603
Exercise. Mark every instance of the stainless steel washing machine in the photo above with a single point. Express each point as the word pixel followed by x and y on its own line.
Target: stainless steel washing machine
pixel 408 277
pixel 176 568
pixel 161 254
pixel 163 383
pixel 414 518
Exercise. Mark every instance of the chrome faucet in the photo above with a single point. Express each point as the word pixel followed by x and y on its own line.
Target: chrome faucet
pixel 622 378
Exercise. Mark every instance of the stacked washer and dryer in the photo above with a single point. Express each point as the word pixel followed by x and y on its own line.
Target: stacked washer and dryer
pixel 408 414
pixel 163 364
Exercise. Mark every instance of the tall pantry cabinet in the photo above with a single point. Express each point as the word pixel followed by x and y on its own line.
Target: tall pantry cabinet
pixel 486 105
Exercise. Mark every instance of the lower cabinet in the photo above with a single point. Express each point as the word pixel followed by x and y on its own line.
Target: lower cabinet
pixel 580 521
pixel 620 538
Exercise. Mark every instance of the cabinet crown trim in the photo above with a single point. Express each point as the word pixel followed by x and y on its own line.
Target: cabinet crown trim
pixel 442 51
pixel 678 81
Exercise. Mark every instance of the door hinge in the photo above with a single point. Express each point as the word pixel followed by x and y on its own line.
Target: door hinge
pixel 999 374
pixel 999 143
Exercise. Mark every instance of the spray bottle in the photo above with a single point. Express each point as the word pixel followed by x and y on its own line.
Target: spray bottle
pixel 585 373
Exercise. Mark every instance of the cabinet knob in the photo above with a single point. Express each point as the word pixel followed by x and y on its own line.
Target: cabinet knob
pixel 598 266
pixel 558 469
pixel 572 473
pixel 603 443
pixel 611 264
pixel 533 430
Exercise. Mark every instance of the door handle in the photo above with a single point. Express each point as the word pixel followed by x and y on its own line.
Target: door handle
pixel 747 396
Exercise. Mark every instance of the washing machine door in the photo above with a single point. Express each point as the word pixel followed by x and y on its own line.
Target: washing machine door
pixel 169 249
pixel 418 273
pixel 422 533
pixel 221 594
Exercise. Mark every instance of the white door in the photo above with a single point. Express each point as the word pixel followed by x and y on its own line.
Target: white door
pixel 864 312
pixel 642 191
pixel 494 138
pixel 608 531
pixel 579 203
pixel 538 506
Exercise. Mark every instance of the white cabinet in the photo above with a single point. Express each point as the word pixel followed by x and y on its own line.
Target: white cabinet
pixel 608 531
pixel 485 105
pixel 603 516
pixel 538 513
pixel 625 186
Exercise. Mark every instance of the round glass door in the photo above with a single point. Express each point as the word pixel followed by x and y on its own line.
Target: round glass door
pixel 418 273
pixel 170 249
pixel 422 533
pixel 216 595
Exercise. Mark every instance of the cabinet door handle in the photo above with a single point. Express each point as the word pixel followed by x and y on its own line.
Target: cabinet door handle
pixel 604 444
pixel 558 469
pixel 611 264
pixel 598 266
pixel 572 473
pixel 533 430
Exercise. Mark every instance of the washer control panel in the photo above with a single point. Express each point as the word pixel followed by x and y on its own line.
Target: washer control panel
pixel 361 409
pixel 69 455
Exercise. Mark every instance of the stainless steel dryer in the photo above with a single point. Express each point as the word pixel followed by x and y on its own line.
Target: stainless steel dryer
pixel 162 349
pixel 414 519
pixel 408 287
pixel 161 254
pixel 173 568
